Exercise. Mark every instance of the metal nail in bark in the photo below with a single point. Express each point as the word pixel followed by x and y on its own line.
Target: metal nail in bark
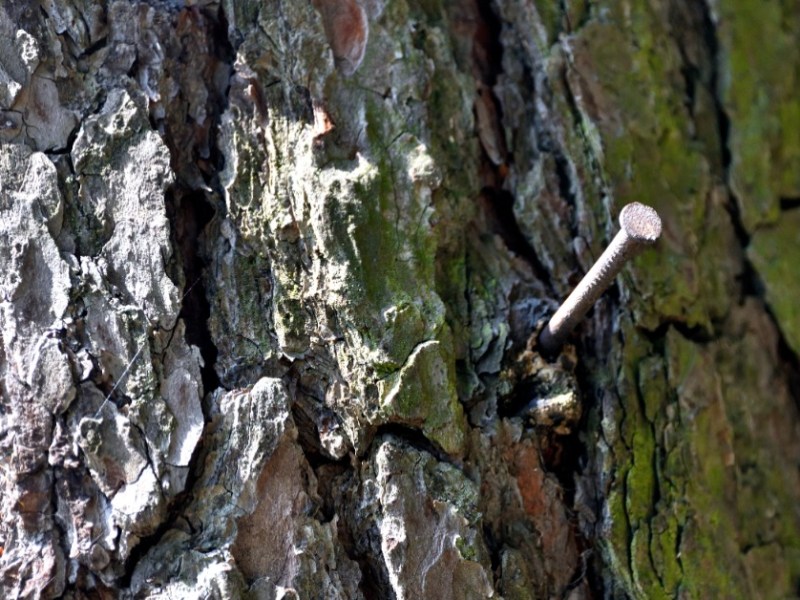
pixel 640 227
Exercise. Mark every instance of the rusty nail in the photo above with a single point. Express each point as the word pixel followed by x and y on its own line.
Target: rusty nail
pixel 640 227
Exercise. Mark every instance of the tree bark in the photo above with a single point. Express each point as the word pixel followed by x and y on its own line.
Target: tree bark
pixel 273 272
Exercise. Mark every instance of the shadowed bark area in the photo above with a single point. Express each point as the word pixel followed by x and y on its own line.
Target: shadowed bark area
pixel 273 273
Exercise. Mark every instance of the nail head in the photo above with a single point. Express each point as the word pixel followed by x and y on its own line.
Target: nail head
pixel 640 222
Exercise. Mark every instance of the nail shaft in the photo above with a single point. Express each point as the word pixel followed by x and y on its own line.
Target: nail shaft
pixel 640 226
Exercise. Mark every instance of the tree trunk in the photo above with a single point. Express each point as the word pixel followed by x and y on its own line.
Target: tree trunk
pixel 273 270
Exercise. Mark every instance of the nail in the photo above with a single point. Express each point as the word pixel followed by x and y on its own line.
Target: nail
pixel 640 228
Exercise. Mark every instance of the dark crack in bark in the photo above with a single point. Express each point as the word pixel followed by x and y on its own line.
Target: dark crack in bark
pixel 193 204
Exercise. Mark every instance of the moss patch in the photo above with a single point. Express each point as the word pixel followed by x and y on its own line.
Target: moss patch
pixel 775 253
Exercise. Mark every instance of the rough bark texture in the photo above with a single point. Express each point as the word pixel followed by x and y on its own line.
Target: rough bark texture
pixel 271 272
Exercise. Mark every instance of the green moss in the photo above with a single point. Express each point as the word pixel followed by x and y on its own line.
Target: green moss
pixel 775 253
pixel 618 538
pixel 788 148
pixel 632 71
pixel 683 501
pixel 423 394
pixel 664 551
pixel 376 239
pixel 631 505
pixel 551 14
pixel 644 575
pixel 704 540
pixel 641 477
pixel 760 93
pixel 465 549
pixel 393 299
pixel 682 358
pixel 767 565
pixel 659 549
pixel 703 458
